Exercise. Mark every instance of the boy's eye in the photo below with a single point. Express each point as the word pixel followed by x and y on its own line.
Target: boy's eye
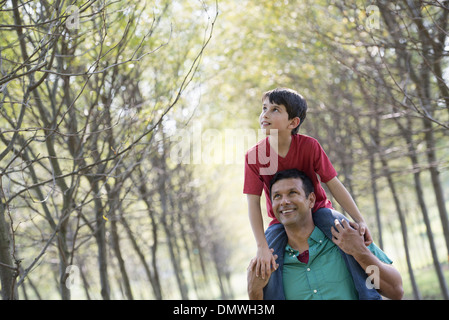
pixel 276 196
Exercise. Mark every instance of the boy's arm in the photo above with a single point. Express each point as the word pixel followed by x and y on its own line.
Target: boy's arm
pixel 256 284
pixel 264 255
pixel 344 198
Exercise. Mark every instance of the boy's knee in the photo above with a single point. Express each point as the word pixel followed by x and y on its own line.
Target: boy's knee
pixel 276 238
pixel 324 219
pixel 327 216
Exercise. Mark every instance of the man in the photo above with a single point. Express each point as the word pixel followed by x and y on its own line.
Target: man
pixel 313 266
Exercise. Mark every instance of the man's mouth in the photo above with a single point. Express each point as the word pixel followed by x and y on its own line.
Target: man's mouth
pixel 265 123
pixel 286 211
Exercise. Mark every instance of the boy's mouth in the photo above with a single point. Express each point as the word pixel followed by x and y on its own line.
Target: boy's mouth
pixel 265 123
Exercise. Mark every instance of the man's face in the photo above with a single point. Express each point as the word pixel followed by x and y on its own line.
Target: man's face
pixel 289 201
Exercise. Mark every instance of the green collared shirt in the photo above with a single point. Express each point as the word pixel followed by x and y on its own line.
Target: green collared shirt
pixel 325 276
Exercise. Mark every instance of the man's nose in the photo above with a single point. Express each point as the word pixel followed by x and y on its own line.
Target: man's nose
pixel 285 201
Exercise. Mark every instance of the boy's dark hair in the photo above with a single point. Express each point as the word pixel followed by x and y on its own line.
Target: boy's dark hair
pixel 295 103
pixel 307 184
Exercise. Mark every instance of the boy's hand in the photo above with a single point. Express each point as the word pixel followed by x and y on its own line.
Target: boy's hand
pixel 255 283
pixel 264 261
pixel 364 231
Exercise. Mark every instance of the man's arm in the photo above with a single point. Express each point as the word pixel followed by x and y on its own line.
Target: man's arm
pixel 344 198
pixel 264 255
pixel 350 241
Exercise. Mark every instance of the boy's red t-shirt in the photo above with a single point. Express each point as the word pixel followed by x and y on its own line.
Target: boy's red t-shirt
pixel 305 154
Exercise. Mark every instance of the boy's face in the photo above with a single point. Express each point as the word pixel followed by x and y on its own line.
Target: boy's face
pixel 275 116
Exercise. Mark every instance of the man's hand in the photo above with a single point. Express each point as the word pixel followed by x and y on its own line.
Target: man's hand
pixel 347 236
pixel 256 283
pixel 264 262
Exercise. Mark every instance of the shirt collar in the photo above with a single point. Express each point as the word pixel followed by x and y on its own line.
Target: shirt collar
pixel 317 236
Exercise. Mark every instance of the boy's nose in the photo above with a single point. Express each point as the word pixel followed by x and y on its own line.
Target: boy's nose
pixel 264 117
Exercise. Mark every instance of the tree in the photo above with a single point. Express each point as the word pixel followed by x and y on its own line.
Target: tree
pixel 74 119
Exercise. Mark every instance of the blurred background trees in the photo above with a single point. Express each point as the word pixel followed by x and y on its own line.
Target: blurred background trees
pixel 97 97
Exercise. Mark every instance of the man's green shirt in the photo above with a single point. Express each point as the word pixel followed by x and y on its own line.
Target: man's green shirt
pixel 325 276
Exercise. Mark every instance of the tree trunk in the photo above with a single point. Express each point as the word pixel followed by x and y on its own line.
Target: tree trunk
pixel 375 200
pixel 100 237
pixel 154 275
pixel 7 278
pixel 167 213
pixel 436 183
pixel 406 133
pixel 121 262
pixel 114 204
pixel 403 224
pixel 173 248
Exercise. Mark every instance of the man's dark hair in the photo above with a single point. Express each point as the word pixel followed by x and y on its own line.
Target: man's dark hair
pixel 293 174
pixel 295 103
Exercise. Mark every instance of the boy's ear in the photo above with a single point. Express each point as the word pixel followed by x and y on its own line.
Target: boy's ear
pixel 294 122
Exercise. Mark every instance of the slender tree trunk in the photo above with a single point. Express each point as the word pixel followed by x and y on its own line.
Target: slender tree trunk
pixel 406 133
pixel 386 170
pixel 7 279
pixel 114 204
pixel 185 241
pixel 115 240
pixel 100 237
pixel 173 251
pixel 375 200
pixel 63 263
pixel 85 284
pixel 35 290
pixel 153 275
pixel 436 183
pixel 171 238
pixel 433 248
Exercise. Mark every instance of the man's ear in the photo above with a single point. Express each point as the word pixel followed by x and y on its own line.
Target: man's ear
pixel 312 199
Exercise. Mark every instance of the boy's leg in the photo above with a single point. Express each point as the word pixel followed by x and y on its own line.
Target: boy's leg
pixel 276 239
pixel 324 219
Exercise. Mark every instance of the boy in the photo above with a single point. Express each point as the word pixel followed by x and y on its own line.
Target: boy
pixel 283 111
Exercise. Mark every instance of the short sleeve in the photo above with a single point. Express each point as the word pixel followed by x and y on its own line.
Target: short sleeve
pixel 321 164
pixel 253 183
pixel 379 253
